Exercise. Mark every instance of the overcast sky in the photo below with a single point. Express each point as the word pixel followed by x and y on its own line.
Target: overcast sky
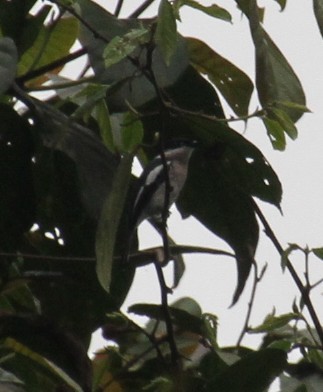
pixel 211 280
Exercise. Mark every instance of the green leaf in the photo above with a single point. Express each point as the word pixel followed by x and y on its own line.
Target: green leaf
pixel 234 85
pixel 276 133
pixel 282 4
pixel 166 32
pixel 101 114
pixel 266 364
pixel 284 120
pixel 318 252
pixel 318 11
pixel 109 222
pixel 273 322
pixel 211 329
pixel 120 47
pixel 180 317
pixel 212 10
pixel 48 345
pixel 275 78
pixel 159 384
pixel 8 63
pixel 132 132
pixel 6 377
pixel 52 43
pixel 130 86
pixel 87 99
pixel 40 360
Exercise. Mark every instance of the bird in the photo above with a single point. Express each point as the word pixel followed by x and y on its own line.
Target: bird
pixel 149 202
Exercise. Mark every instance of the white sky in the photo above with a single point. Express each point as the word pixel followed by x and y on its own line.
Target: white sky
pixel 211 280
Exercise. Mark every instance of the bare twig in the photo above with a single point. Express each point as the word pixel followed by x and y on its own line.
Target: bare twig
pixel 257 279
pixel 141 9
pixel 303 290
pixel 118 8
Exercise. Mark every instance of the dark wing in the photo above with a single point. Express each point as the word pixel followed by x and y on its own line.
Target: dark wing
pixel 149 182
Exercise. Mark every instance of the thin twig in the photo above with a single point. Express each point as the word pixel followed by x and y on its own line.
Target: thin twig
pixel 141 9
pixel 257 279
pixel 46 257
pixel 257 113
pixel 304 292
pixel 118 8
pixel 81 19
pixel 175 356
pixel 51 66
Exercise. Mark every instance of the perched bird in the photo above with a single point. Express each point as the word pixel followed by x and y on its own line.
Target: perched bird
pixel 149 202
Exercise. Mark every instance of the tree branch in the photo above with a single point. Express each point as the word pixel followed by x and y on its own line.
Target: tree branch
pixel 303 290
pixel 118 8
pixel 51 66
pixel 141 9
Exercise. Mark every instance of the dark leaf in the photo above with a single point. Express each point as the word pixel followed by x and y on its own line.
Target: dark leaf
pixel 50 342
pixel 17 203
pixel 109 222
pixel 166 32
pixel 318 252
pixel 8 63
pixel 240 377
pixel 282 4
pixel 273 322
pixel 120 47
pixel 180 317
pixel 212 10
pixel 13 20
pixel 222 178
pixel 276 133
pixel 131 85
pixel 318 10
pixel 95 165
pixel 233 84
pixel 59 39
pixel 275 78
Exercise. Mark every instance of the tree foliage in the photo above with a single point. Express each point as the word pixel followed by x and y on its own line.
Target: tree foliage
pixel 67 190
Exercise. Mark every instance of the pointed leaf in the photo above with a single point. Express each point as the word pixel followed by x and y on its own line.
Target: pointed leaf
pixel 120 47
pixel 240 377
pixel 211 329
pixel 276 133
pixel 234 85
pixel 59 39
pixel 282 4
pixel 212 10
pixel 166 32
pixel 285 121
pixel 8 63
pixel 180 317
pixel 318 10
pixel 272 322
pixel 222 178
pixel 109 222
pixel 275 78
pixel 132 132
pixel 318 252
